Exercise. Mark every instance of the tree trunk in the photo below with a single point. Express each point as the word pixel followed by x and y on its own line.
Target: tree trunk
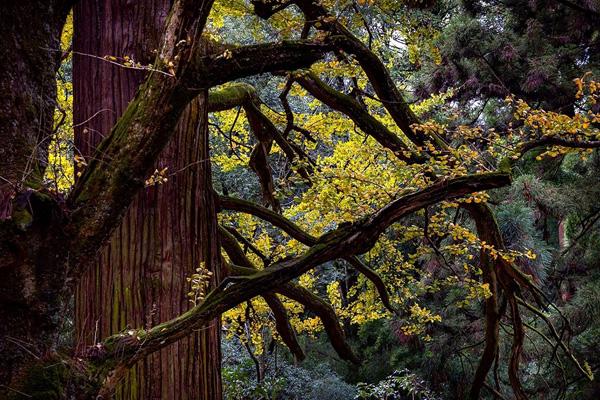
pixel 28 33
pixel 32 288
pixel 139 280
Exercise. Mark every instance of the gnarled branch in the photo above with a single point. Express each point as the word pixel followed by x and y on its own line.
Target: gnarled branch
pixel 556 141
pixel 282 322
pixel 207 71
pixel 326 314
pixel 244 95
pixel 351 107
pixel 124 160
pixel 230 203
pixel 321 308
pixel 278 220
pixel 125 349
pixel 283 326
pixel 376 71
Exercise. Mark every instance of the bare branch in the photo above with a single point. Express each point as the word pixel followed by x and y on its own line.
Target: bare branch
pixel 493 315
pixel 375 279
pixel 247 244
pixel 283 326
pixel 517 348
pixel 233 204
pixel 282 323
pixel 326 314
pixel 557 337
pixel 321 308
pixel 244 95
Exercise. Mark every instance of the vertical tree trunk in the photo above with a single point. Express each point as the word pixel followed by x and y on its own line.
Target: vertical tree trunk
pixel 28 33
pixel 140 278
pixel 31 285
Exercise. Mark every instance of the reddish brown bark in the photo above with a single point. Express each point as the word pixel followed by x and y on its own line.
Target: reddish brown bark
pixel 139 279
pixel 47 243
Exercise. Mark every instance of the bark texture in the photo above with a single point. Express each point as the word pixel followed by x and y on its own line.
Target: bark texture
pixel 30 304
pixel 28 33
pixel 139 279
pixel 48 242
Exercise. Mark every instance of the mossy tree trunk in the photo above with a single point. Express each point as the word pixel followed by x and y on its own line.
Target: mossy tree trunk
pixel 47 242
pixel 139 279
pixel 31 295
pixel 28 34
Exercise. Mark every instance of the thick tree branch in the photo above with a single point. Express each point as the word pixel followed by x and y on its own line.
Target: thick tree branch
pixel 282 322
pixel 233 204
pixel 278 220
pixel 374 277
pixel 556 141
pixel 373 226
pixel 283 326
pixel 124 160
pixel 378 75
pixel 351 107
pixel 232 95
pixel 320 307
pixel 326 314
pixel 489 234
pixel 206 71
pixel 244 95
pixel 126 349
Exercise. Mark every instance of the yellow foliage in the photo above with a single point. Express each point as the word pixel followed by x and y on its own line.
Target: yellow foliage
pixel 60 173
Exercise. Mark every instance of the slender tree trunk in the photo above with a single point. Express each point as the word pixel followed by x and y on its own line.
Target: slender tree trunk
pixel 139 280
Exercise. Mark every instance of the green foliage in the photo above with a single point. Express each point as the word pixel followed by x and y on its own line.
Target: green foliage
pixel 283 380
pixel 398 386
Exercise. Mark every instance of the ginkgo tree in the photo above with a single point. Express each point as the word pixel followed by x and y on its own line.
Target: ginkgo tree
pixel 378 145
